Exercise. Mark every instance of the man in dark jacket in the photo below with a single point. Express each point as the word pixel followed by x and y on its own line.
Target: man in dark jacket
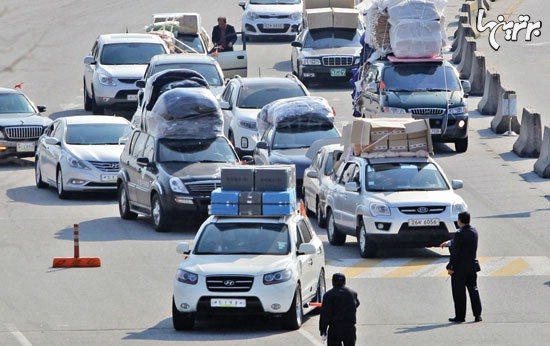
pixel 462 268
pixel 223 35
pixel 338 313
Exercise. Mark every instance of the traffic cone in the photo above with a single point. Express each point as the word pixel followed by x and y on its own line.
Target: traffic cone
pixel 76 261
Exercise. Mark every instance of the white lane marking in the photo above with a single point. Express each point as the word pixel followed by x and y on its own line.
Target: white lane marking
pixel 311 338
pixel 18 335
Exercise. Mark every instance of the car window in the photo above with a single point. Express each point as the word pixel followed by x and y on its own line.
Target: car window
pixel 243 238
pixel 301 135
pixel 405 177
pixel 130 53
pixel 226 96
pixel 317 161
pixel 304 231
pixel 329 165
pixel 259 95
pixel 208 150
pixel 139 146
pixel 14 103
pixel 149 150
pixel 95 134
pixel 189 43
pixel 332 38
pixel 347 174
pixel 209 71
pixel 58 131
pixel 414 77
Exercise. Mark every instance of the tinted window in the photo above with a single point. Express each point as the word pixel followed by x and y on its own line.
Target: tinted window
pixel 189 44
pixel 130 53
pixel 258 96
pixel 304 231
pixel 275 2
pixel 208 71
pixel 208 150
pixel 89 134
pixel 15 103
pixel 332 38
pixel 404 176
pixel 301 136
pixel 139 146
pixel 411 77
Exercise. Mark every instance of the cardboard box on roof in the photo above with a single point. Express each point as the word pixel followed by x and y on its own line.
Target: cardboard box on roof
pixel 342 3
pixel 189 23
pixel 329 3
pixel 345 18
pixel 319 18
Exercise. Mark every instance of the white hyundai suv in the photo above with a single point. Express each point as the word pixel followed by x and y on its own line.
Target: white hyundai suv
pixel 250 266
pixel 265 18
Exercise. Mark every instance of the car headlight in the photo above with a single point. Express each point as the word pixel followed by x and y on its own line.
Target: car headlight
pixel 176 185
pixel 379 209
pixel 75 163
pixel 2 135
pixel 187 277
pixel 459 207
pixel 250 125
pixel 251 15
pixel 106 79
pixel 457 110
pixel 296 16
pixel 277 277
pixel 357 60
pixel 394 110
pixel 311 61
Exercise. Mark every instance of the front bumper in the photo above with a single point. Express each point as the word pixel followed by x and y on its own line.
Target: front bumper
pixel 271 27
pixel 24 148
pixel 313 72
pixel 454 129
pixel 177 203
pixel 81 180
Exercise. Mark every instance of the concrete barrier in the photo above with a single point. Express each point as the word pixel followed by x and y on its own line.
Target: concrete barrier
pixel 477 75
pixel 465 66
pixel 530 139
pixel 467 31
pixel 542 165
pixel 491 92
pixel 462 19
pixel 506 117
pixel 470 7
pixel 484 4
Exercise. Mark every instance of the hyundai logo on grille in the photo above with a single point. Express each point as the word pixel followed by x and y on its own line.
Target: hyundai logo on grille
pixel 229 283
pixel 422 210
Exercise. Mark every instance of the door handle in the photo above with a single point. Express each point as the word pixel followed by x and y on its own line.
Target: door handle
pixel 240 57
pixel 310 262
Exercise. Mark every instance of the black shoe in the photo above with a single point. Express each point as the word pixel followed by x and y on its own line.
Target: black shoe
pixel 478 319
pixel 455 320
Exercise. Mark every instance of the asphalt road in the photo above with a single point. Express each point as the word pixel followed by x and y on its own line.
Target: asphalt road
pixel 406 298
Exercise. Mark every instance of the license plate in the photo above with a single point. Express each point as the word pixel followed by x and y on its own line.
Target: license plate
pixel 423 222
pixel 25 147
pixel 228 303
pixel 436 131
pixel 337 72
pixel 108 178
pixel 274 26
pixel 131 97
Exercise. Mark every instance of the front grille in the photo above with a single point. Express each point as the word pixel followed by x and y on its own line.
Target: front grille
pixel 229 283
pixel 123 94
pixel 201 188
pixel 92 184
pixel 427 111
pixel 276 16
pixel 273 31
pixel 435 231
pixel 112 167
pixel 128 80
pixel 422 210
pixel 337 60
pixel 23 132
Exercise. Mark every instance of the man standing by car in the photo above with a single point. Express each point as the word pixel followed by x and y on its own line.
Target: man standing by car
pixel 223 35
pixel 338 313
pixel 462 267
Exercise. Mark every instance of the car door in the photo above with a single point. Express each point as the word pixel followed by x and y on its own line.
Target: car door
pixel 227 107
pixel 146 178
pixel 307 262
pixel 233 62
pixel 137 146
pixel 350 202
pixel 311 185
pixel 54 152
pixel 319 257
pixel 340 195
pixel 89 69
pixel 43 152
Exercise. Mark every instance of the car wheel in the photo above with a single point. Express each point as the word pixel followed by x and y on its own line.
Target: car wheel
pixel 96 109
pixel 61 192
pixel 292 320
pixel 367 248
pixel 461 145
pixel 38 175
pixel 124 204
pixel 161 222
pixel 335 237
pixel 321 221
pixel 301 77
pixel 321 289
pixel 180 320
pixel 87 99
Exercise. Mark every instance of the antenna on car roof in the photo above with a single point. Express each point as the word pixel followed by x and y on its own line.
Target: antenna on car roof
pixel 259 72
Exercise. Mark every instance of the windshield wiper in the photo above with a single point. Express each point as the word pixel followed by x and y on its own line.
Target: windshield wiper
pixel 434 89
pixel 399 90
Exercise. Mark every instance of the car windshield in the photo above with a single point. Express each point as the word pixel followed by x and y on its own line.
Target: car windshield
pixel 96 134
pixel 404 177
pixel 130 53
pixel 187 150
pixel 15 103
pixel 189 43
pixel 243 239
pixel 420 77
pixel 275 2
pixel 332 38
pixel 296 135
pixel 258 96
pixel 208 71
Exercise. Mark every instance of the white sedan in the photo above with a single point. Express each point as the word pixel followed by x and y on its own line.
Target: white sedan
pixel 80 153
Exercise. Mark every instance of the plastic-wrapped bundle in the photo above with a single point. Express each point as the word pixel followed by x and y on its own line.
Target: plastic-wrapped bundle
pixel 186 113
pixel 311 109
pixel 415 9
pixel 377 34
pixel 416 38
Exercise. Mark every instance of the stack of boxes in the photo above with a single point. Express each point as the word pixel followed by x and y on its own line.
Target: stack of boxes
pixel 255 191
pixel 331 13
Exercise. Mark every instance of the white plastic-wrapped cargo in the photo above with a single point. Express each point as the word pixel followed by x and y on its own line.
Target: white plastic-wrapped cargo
pixel 303 109
pixel 415 9
pixel 412 38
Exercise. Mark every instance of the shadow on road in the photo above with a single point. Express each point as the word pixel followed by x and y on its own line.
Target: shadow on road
pixel 423 328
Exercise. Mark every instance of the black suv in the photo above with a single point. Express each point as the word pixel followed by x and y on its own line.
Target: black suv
pixel 165 178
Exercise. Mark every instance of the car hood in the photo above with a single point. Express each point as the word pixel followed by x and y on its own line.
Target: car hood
pixel 296 157
pixel 414 198
pixel 195 170
pixel 422 99
pixel 275 9
pixel 23 119
pixel 250 114
pixel 125 71
pixel 216 90
pixel 235 264
pixel 315 52
pixel 103 153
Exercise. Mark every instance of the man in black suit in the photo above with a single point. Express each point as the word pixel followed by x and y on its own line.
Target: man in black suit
pixel 223 35
pixel 338 312
pixel 462 268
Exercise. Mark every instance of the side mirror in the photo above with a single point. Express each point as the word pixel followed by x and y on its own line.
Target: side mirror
pixel 225 105
pixel 296 44
pixel 41 108
pixel 372 87
pixel 312 174
pixel 89 60
pixel 140 83
pixel 306 249
pixel 466 86
pixel 242 4
pixel 142 161
pixel 183 248
pixel 52 141
pixel 352 186
pixel 261 145
pixel 457 184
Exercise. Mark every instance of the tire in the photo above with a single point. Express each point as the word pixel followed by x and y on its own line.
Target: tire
pixel 292 319
pixel 367 248
pixel 461 145
pixel 87 99
pixel 61 192
pixel 38 175
pixel 124 204
pixel 335 237
pixel 321 289
pixel 160 221
pixel 96 109
pixel 180 320
pixel 321 220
